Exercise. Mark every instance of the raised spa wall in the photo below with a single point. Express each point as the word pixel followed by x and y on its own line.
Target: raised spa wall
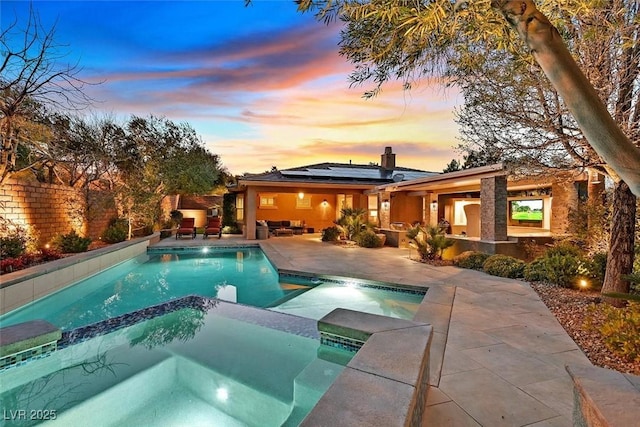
pixel 24 286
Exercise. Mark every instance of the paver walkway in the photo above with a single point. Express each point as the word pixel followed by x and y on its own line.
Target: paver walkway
pixel 504 352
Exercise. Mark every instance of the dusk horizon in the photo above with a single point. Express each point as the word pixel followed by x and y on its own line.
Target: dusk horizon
pixel 262 85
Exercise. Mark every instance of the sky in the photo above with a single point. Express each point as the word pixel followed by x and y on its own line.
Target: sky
pixel 262 85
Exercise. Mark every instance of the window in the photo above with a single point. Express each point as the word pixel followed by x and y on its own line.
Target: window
pixel 303 202
pixel 268 201
pixel 239 207
pixel 372 206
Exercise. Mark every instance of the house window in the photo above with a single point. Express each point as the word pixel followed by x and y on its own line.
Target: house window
pixel 303 202
pixel 372 206
pixel 239 207
pixel 268 201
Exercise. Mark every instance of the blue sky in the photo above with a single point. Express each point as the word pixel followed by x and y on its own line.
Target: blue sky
pixel 263 85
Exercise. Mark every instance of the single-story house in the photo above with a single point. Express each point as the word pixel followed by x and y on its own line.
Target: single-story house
pixel 485 208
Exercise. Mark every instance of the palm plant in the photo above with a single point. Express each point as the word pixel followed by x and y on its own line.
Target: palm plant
pixel 353 222
pixel 430 241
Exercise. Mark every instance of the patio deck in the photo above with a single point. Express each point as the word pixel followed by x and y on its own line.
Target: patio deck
pixel 503 353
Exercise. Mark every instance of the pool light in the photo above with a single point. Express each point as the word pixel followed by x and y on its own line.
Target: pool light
pixel 222 394
pixel 205 250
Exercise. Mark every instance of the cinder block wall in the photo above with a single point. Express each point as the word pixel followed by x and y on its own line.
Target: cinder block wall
pixel 49 209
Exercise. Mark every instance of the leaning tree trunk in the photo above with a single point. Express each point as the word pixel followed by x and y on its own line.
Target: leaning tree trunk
pixel 581 99
pixel 621 245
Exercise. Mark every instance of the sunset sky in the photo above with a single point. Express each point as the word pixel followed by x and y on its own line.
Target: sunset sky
pixel 263 85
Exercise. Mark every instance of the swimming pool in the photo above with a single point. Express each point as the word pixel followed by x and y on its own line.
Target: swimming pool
pixel 240 275
pixel 228 365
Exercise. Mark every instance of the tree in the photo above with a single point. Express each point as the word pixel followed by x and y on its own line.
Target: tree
pixel 32 75
pixel 453 166
pixel 154 157
pixel 405 40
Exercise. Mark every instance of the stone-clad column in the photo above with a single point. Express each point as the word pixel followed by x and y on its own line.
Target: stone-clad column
pixel 493 208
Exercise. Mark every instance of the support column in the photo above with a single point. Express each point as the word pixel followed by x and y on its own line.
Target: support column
pixel 432 209
pixel 250 207
pixel 384 214
pixel 565 199
pixel 493 208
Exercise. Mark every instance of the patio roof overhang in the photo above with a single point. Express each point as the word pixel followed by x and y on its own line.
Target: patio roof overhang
pixel 457 181
pixel 295 185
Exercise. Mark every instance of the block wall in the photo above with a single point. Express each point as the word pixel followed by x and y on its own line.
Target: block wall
pixel 48 210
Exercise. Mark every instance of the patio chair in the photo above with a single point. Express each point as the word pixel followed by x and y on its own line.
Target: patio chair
pixel 214 226
pixel 187 228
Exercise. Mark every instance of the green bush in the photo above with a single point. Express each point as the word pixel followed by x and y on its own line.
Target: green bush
pixel 563 264
pixel 504 266
pixel 536 270
pixel 231 229
pixel 563 270
pixel 72 243
pixel 471 259
pixel 596 268
pixel 620 329
pixel 331 234
pixel 368 239
pixel 115 233
pixel 12 247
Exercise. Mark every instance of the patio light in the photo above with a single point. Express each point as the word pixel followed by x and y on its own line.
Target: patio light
pixel 385 204
pixel 583 284
pixel 434 205
pixel 301 195
pixel 324 203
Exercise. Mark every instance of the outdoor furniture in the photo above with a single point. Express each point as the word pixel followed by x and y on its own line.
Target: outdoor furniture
pixel 283 232
pixel 187 228
pixel 214 226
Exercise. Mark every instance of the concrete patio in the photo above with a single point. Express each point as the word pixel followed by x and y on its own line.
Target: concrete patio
pixel 498 355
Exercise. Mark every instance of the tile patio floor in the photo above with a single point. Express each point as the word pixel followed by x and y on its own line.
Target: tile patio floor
pixel 504 352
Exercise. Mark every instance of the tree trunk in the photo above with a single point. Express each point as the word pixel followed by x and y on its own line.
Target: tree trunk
pixel 621 245
pixel 597 125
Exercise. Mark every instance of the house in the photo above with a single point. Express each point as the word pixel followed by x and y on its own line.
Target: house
pixel 312 196
pixel 485 208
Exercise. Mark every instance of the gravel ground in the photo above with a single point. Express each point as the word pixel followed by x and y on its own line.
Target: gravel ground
pixel 570 306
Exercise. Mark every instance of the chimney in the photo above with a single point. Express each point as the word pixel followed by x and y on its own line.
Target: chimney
pixel 388 160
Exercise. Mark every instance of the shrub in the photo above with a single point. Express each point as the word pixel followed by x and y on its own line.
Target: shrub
pixel 114 234
pixel 72 243
pixel 117 231
pixel 471 259
pixel 504 266
pixel 562 270
pixel 562 265
pixel 620 329
pixel 176 217
pixel 596 268
pixel 231 229
pixel 12 247
pixel 430 241
pixel 536 270
pixel 369 239
pixel 331 234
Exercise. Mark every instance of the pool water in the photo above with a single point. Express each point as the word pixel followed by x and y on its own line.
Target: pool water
pixel 242 276
pixel 188 367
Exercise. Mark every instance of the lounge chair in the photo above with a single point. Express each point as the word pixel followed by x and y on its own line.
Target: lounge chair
pixel 187 228
pixel 214 226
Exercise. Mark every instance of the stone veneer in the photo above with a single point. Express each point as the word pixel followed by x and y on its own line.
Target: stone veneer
pixel 493 212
